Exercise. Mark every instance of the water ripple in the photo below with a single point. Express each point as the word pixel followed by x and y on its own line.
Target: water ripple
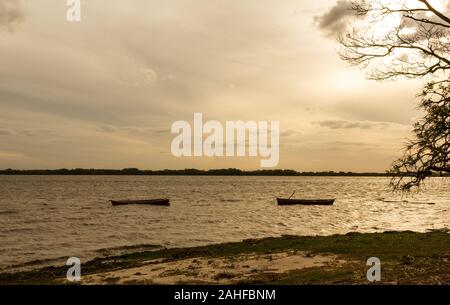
pixel 48 217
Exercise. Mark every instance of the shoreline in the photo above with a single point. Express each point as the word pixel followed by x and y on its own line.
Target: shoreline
pixel 406 258
pixel 188 172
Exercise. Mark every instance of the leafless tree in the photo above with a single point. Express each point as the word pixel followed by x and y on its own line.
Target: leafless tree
pixel 409 38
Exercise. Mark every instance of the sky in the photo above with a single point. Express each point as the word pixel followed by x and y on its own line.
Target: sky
pixel 104 92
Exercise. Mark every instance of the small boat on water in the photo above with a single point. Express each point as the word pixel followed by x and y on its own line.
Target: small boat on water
pixel 162 202
pixel 286 201
pixel 290 201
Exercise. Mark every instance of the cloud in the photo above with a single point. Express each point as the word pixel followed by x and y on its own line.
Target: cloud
pixel 11 155
pixel 349 144
pixel 341 124
pixel 134 130
pixel 10 13
pixel 108 128
pixel 116 85
pixel 354 146
pixel 335 20
pixel 34 132
pixel 289 133
pixel 5 132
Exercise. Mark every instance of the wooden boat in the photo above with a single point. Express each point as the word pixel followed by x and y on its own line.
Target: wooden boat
pixel 162 202
pixel 285 201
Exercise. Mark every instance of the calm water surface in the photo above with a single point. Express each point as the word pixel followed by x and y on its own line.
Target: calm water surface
pixel 46 218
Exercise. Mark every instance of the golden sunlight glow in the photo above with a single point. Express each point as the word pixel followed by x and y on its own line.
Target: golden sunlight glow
pixel 440 5
pixel 385 25
pixel 390 21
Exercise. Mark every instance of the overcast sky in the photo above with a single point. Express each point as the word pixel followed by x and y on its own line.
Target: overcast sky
pixel 104 92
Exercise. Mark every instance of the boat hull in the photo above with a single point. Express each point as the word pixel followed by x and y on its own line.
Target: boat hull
pixel 282 201
pixel 161 202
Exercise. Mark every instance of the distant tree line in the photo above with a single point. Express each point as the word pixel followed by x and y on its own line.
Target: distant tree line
pixel 181 172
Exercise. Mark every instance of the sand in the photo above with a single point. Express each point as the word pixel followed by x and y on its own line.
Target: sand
pixel 209 270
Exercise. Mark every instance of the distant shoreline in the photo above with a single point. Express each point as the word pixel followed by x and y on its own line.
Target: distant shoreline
pixel 185 172
pixel 190 172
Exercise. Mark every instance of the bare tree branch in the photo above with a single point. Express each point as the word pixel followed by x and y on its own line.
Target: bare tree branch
pixel 435 11
pixel 415 45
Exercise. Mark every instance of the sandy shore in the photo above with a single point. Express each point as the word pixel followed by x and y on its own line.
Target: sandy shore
pixel 406 258
pixel 227 270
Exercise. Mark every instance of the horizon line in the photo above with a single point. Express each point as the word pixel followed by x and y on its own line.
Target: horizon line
pixel 185 171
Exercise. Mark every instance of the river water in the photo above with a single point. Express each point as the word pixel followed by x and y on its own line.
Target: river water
pixel 44 219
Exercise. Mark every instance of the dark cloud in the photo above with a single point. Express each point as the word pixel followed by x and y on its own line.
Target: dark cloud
pixel 10 13
pixel 341 124
pixel 34 132
pixel 24 132
pixel 5 132
pixel 373 108
pixel 108 128
pixel 347 144
pixel 288 133
pixel 335 20
pixel 134 130
pixel 29 133
pixel 343 146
